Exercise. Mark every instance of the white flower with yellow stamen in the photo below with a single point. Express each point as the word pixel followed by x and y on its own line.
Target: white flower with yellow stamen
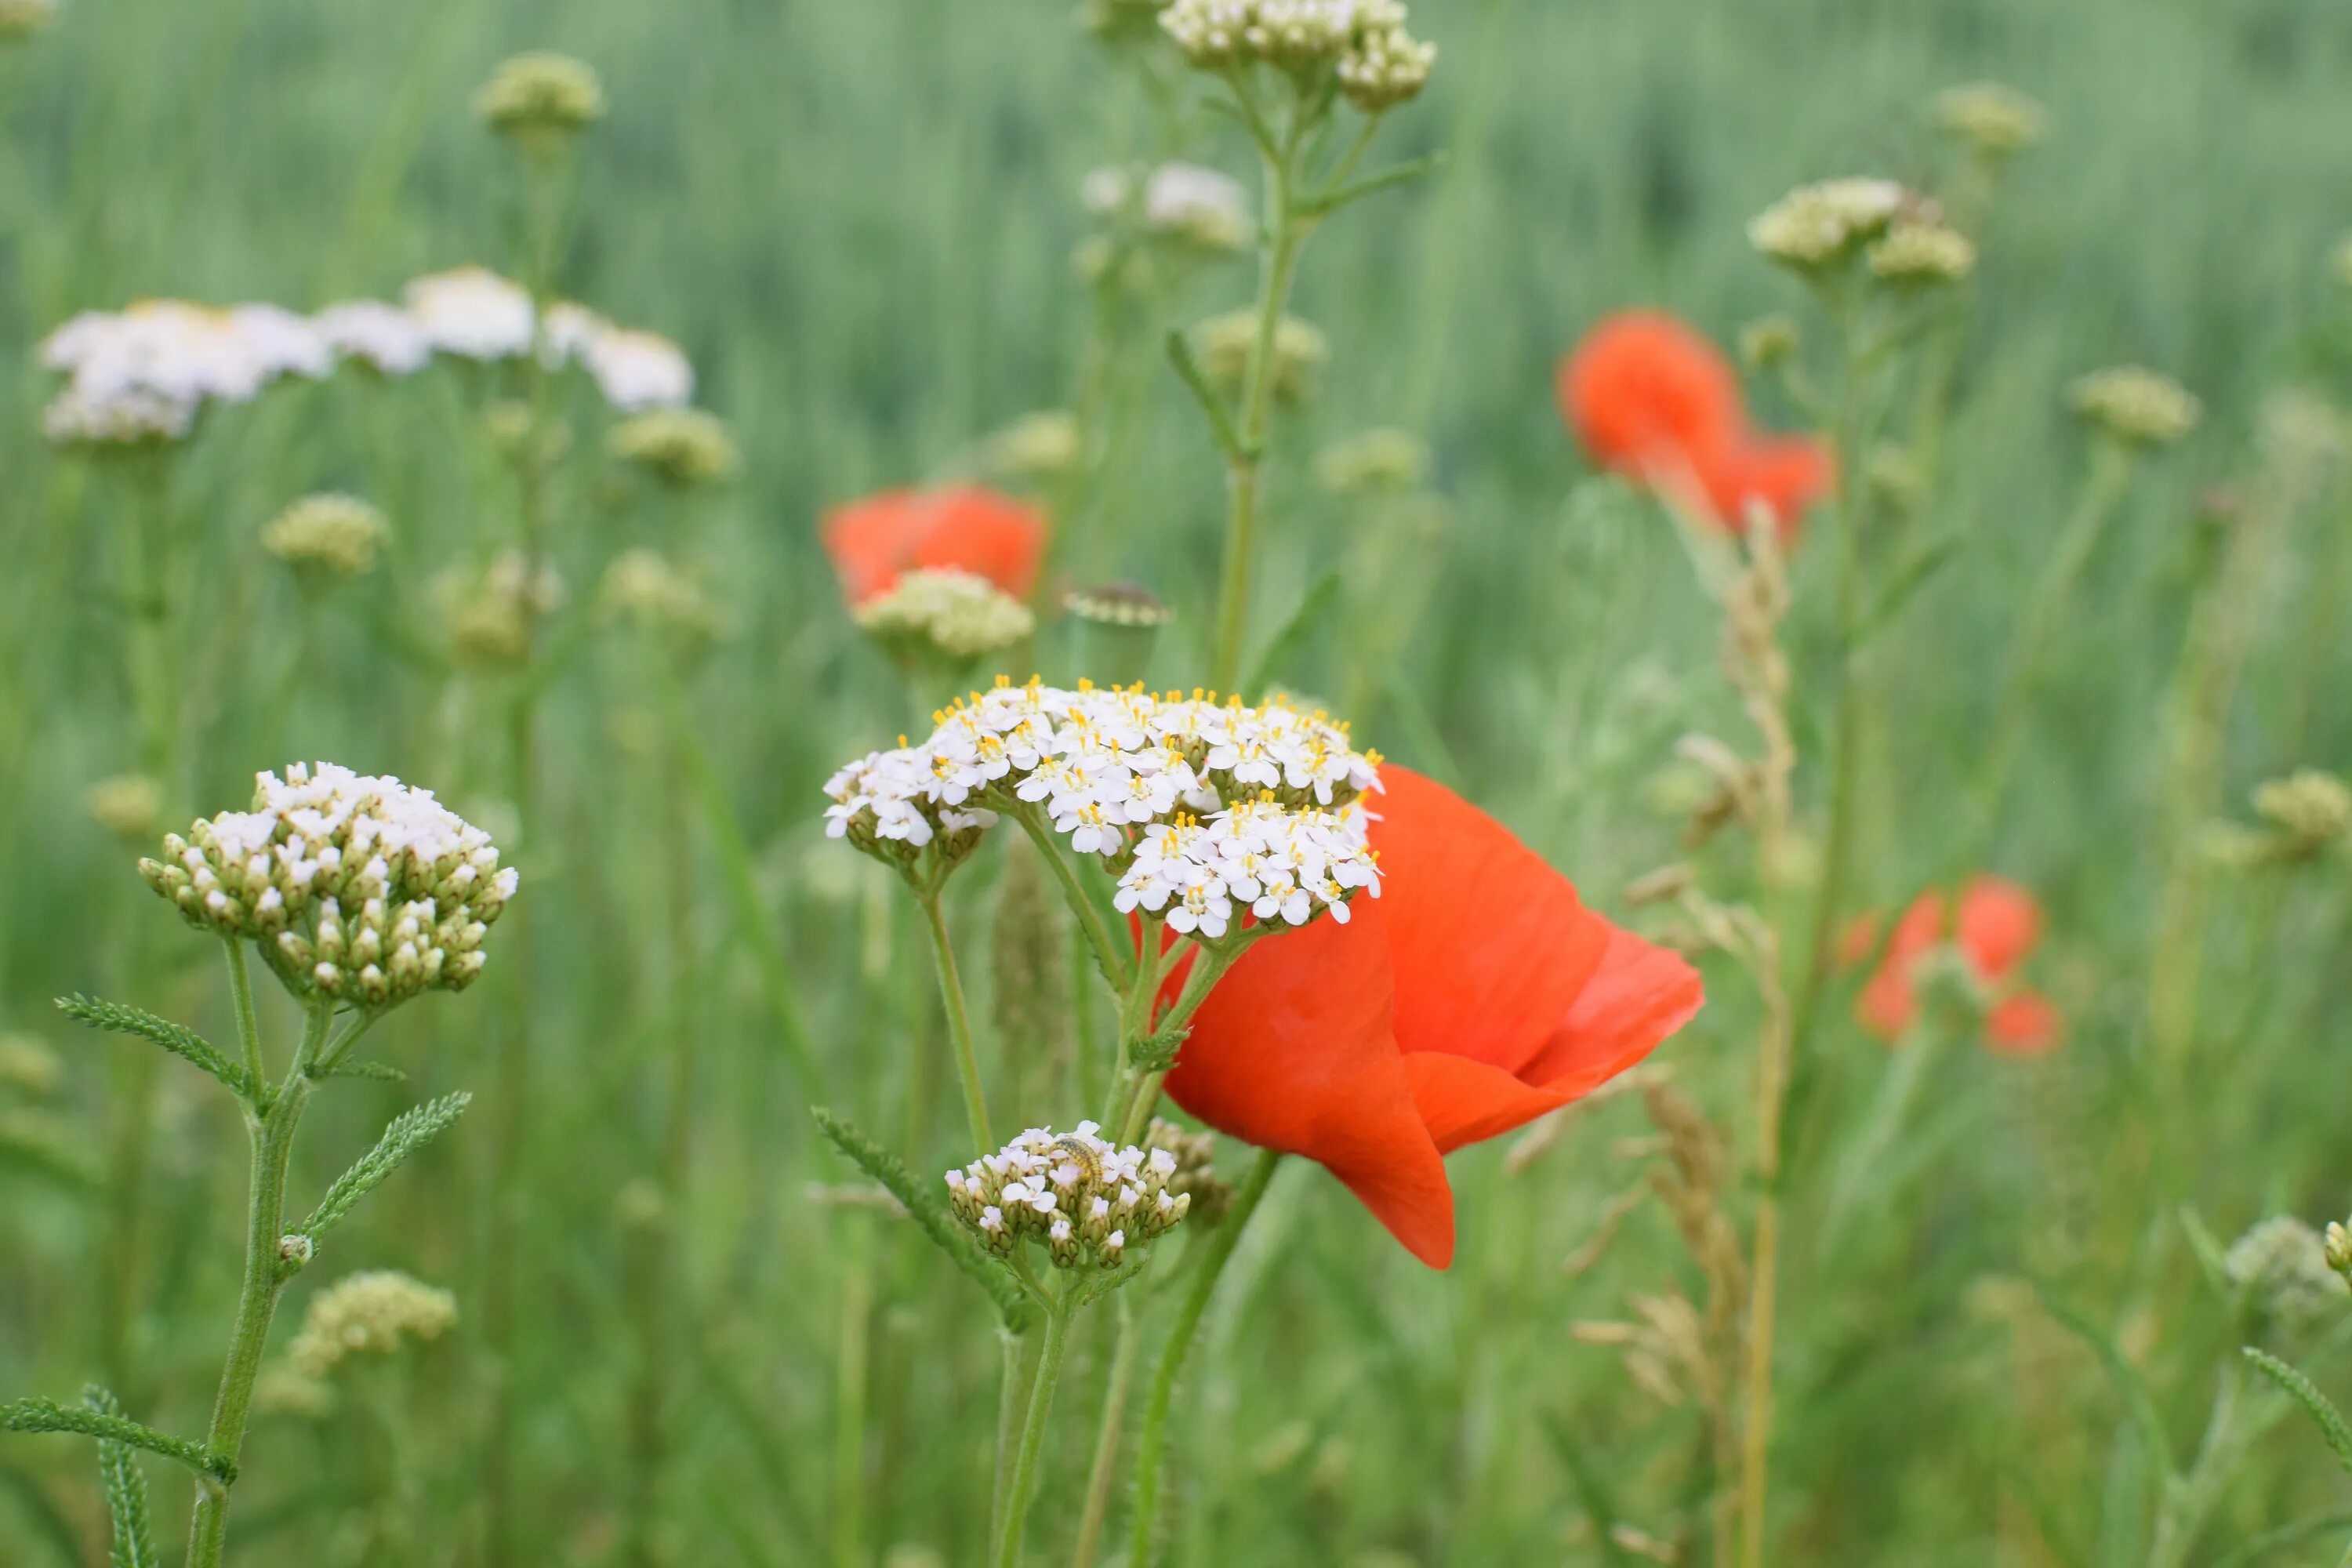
pixel 473 313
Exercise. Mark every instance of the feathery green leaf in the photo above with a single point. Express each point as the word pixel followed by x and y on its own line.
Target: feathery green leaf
pixel 931 1212
pixel 2305 1392
pixel 181 1041
pixel 49 1415
pixel 409 1131
pixel 125 1486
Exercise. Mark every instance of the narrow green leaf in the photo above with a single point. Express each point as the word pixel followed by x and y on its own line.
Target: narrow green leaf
pixel 2138 1403
pixel 181 1041
pixel 2305 1392
pixel 1316 606
pixel 1913 575
pixel 409 1131
pixel 1221 423
pixel 931 1212
pixel 1590 1490
pixel 2209 1257
pixel 49 1415
pixel 125 1486
pixel 2286 1535
pixel 383 1072
pixel 1371 184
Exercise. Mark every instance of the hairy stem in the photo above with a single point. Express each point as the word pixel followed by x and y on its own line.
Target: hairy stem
pixel 1023 1480
pixel 975 1098
pixel 1151 1445
pixel 272 1138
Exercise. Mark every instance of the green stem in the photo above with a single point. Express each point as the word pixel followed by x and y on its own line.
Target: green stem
pixel 1011 1400
pixel 272 1139
pixel 849 1419
pixel 1153 1442
pixel 1107 952
pixel 1024 1478
pixel 248 1030
pixel 975 1098
pixel 1114 1418
pixel 1142 1094
pixel 1245 466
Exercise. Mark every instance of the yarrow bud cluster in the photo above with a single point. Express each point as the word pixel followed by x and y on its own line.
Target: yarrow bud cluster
pixel 1197 806
pixel 2136 405
pixel 1088 1204
pixel 356 889
pixel 541 99
pixel 490 614
pixel 683 447
pixel 961 614
pixel 1036 445
pixel 1994 120
pixel 128 804
pixel 1374 462
pixel 2312 811
pixel 2282 1266
pixel 1118 604
pixel 642 587
pixel 1915 251
pixel 1186 201
pixel 1196 1169
pixel 2337 1249
pixel 327 535
pixel 1225 344
pixel 1363 43
pixel 369 1314
pixel 1817 226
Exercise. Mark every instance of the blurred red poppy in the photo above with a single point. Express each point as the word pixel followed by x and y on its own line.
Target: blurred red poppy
pixel 1997 926
pixel 1476 994
pixel 1654 400
pixel 960 528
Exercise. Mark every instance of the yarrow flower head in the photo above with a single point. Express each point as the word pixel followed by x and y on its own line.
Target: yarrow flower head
pixel 642 587
pixel 473 313
pixel 144 372
pixel 1363 45
pixel 22 18
pixel 1089 1203
pixel 2138 407
pixel 686 449
pixel 491 613
pixel 2282 1266
pixel 1185 202
pixel 1994 119
pixel 2304 816
pixel 956 613
pixel 1206 812
pixel 635 370
pixel 127 806
pixel 374 1313
pixel 1814 227
pixel 1039 446
pixel 385 338
pixel 1196 1169
pixel 542 100
pixel 1225 345
pixel 325 537
pixel 357 890
pixel 1918 252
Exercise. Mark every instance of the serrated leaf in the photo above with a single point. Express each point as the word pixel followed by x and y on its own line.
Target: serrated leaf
pixel 2305 1392
pixel 2138 1403
pixel 125 1486
pixel 1318 605
pixel 409 1131
pixel 931 1212
pixel 383 1072
pixel 49 1415
pixel 181 1041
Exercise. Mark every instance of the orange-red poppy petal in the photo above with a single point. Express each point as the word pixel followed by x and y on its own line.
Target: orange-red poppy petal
pixel 1463 1101
pixel 1295 1050
pixel 1643 383
pixel 1490 945
pixel 1785 475
pixel 978 531
pixel 2024 1024
pixel 1641 995
pixel 1999 924
pixel 870 540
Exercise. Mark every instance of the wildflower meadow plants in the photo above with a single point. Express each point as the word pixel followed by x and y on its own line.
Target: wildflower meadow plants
pixel 1806 1043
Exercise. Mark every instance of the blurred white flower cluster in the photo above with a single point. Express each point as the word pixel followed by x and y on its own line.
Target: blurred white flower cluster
pixel 146 372
pixel 356 889
pixel 1085 1200
pixel 1363 43
pixel 1821 225
pixel 1202 809
pixel 369 1314
pixel 1184 202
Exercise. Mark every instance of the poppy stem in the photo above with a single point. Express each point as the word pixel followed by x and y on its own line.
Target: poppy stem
pixel 975 1098
pixel 1153 1442
pixel 1106 1459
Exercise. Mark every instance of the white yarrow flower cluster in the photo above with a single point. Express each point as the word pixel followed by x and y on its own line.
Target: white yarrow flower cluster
pixel 383 337
pixel 369 1314
pixel 357 890
pixel 1204 810
pixel 1363 42
pixel 1816 226
pixel 145 372
pixel 473 313
pixel 1088 1202
pixel 1181 201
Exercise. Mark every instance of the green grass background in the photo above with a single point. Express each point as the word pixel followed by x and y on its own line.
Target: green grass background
pixel 858 217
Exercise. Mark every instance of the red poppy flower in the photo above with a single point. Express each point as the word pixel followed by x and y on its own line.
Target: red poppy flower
pixel 1651 399
pixel 961 528
pixel 1476 994
pixel 1997 927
